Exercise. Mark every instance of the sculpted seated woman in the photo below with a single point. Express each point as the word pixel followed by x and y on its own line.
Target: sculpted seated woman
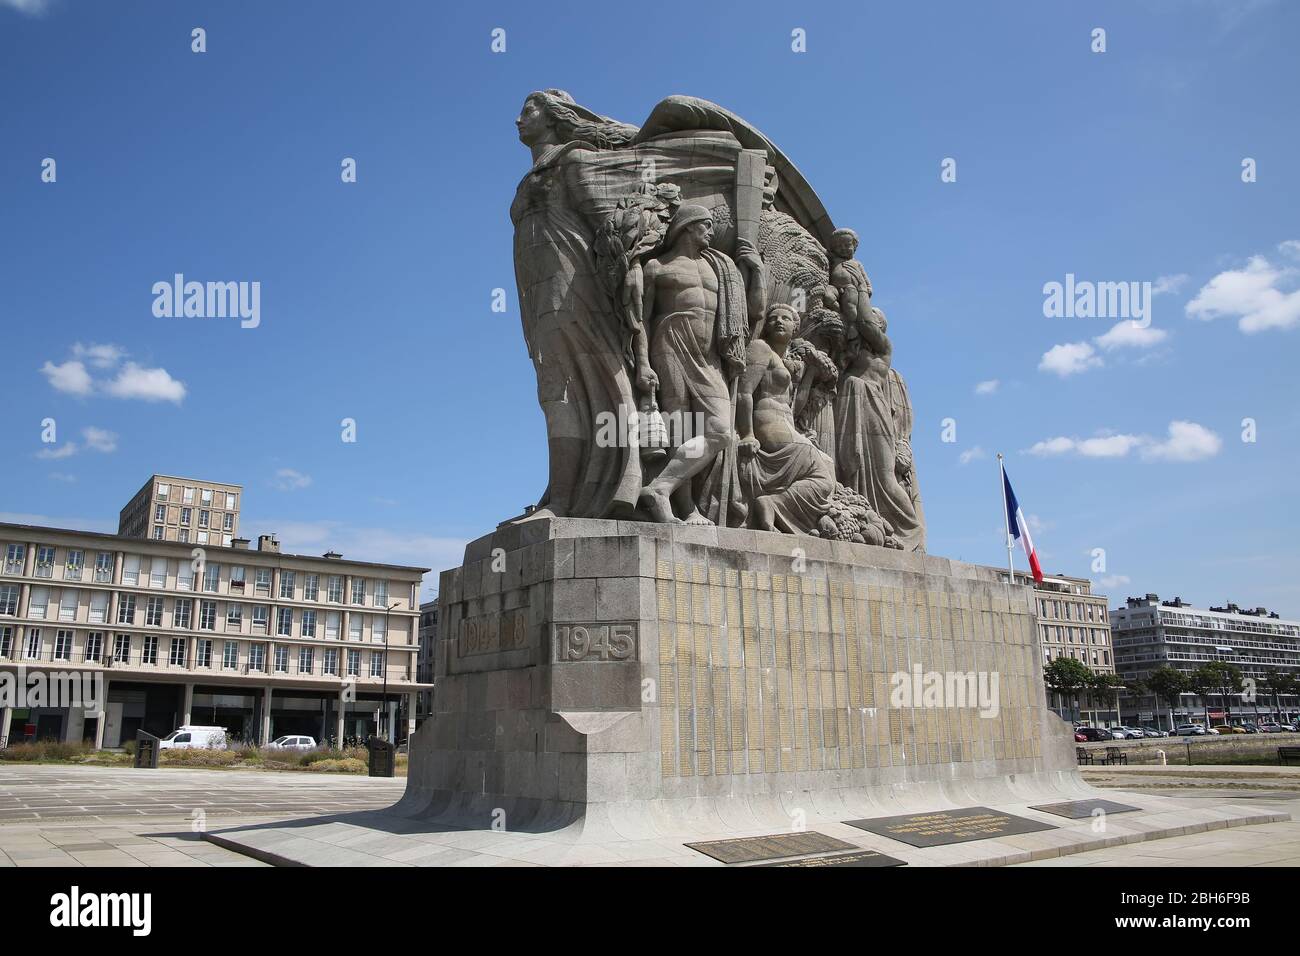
pixel 788 480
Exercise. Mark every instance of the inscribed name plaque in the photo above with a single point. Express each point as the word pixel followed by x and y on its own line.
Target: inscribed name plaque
pixel 774 847
pixel 859 858
pixel 949 826
pixel 1083 809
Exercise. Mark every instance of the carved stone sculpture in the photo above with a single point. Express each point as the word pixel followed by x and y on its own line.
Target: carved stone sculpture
pixel 650 262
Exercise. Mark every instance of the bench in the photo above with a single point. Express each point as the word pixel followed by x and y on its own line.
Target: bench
pixel 1083 755
pixel 1115 755
pixel 1286 754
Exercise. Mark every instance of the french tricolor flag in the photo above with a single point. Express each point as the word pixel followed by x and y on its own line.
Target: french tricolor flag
pixel 1019 527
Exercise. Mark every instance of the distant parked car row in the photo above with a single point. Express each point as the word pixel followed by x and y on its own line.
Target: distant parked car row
pixel 1084 734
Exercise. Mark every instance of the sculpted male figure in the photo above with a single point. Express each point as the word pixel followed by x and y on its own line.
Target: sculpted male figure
pixel 695 314
pixel 849 279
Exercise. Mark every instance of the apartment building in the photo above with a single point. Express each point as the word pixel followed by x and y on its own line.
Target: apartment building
pixel 1150 633
pixel 1074 622
pixel 257 641
pixel 186 510
pixel 428 652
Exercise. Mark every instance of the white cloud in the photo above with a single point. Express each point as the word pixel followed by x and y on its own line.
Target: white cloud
pixel 33 8
pixel 1290 247
pixel 1252 295
pixel 147 384
pixel 1128 334
pixel 66 450
pixel 1112 581
pixel 1069 358
pixel 63 477
pixel 100 356
pixel 972 454
pixel 366 543
pixel 99 439
pixel 286 479
pixel 1165 284
pixel 71 377
pixel 986 387
pixel 1187 441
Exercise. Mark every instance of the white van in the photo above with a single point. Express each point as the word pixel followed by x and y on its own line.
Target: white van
pixel 192 737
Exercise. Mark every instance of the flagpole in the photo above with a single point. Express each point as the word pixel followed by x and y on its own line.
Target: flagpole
pixel 1006 521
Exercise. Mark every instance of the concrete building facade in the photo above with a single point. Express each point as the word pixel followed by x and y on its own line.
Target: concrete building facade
pixel 257 641
pixel 1150 633
pixel 186 510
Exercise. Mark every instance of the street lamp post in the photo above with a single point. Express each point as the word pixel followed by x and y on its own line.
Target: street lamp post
pixel 385 712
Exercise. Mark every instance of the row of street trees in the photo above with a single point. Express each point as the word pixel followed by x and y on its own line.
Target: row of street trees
pixel 1072 679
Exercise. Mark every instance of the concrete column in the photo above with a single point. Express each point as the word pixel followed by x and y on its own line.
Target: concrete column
pixel 29 560
pixel 266 716
pixel 5 720
pixel 324 720
pixel 392 720
pixel 103 719
pixel 188 706
pixel 410 714
pixel 338 719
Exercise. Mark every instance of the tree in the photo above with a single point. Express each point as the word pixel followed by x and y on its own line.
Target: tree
pixel 1201 682
pixel 1168 684
pixel 1107 688
pixel 1216 677
pixel 1067 677
pixel 1277 684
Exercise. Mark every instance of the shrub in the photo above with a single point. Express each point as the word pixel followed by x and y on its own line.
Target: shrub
pixel 42 751
pixel 344 765
pixel 199 758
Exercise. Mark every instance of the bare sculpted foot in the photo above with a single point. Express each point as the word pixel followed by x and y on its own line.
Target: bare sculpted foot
pixel 698 519
pixel 657 504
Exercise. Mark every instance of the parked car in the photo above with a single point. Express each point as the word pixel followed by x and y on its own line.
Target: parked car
pixel 1093 733
pixel 1152 732
pixel 1225 729
pixel 1189 730
pixel 1079 737
pixel 292 742
pixel 194 737
pixel 1271 728
pixel 1131 733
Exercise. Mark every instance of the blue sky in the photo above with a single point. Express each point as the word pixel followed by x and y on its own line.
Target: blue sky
pixel 375 304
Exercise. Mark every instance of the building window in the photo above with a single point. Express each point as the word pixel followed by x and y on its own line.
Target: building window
pixel 354 626
pixel 68 605
pixel 354 663
pixel 207 496
pixel 150 653
pixel 126 609
pixel 334 591
pixel 153 612
pixel 230 501
pixel 187 515
pixel 184 576
pixel 6 641
pixel 211 577
pixel 286 585
pixel 131 570
pixel 308 623
pixel 187 496
pixel 33 649
pixel 207 615
pixel 98 607
pixel 332 662
pixel 73 565
pixel 332 625
pixel 284 621
pixel 281 659
pixel 122 649
pixel 304 660
pixel 63 645
pixel 230 655
pixel 181 613
pixel 94 645
pixel 257 657
pixel 183 535
pixel 234 616
pixel 177 656
pixel 44 562
pixel 376 663
pixel 227 522
pixel 358 590
pixel 37 601
pixel 160 513
pixel 262 580
pixel 381 594
pixel 203 518
pixel 311 587
pixel 378 629
pixel 14 556
pixel 260 616
pixel 8 599
pixel 157 532
pixel 103 567
pixel 158 573
pixel 202 538
pixel 204 656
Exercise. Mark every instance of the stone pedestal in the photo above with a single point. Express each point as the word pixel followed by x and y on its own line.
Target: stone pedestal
pixel 605 667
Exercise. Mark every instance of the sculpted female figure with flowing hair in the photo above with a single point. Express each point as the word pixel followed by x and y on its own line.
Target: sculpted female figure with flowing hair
pixel 576 340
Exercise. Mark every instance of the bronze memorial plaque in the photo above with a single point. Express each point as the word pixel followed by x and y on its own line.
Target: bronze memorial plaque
pixel 943 827
pixel 1082 809
pixel 856 858
pixel 774 847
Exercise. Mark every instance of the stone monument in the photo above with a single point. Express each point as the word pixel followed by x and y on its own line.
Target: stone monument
pixel 718 637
